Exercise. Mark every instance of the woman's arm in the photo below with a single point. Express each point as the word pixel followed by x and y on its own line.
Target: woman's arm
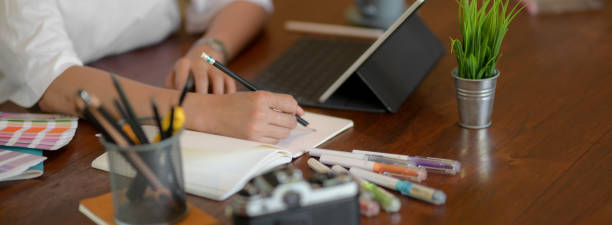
pixel 246 115
pixel 234 25
pixel 39 66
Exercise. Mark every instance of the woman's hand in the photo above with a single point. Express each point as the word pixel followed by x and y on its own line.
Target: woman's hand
pixel 207 78
pixel 258 116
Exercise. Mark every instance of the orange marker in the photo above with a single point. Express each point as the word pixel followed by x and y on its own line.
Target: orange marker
pixel 416 173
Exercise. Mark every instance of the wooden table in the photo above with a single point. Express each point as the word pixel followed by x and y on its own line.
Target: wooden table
pixel 547 158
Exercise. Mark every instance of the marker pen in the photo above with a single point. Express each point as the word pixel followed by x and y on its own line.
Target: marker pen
pixel 419 173
pixel 318 166
pixel 388 201
pixel 435 165
pixel 404 187
pixel 368 207
pixel 317 152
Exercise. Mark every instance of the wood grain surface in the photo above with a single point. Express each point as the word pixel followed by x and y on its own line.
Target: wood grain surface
pixel 545 160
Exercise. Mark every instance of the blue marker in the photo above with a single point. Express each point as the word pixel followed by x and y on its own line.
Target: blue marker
pixel 417 191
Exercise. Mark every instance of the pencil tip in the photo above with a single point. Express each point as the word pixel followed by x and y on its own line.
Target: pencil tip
pixel 314 130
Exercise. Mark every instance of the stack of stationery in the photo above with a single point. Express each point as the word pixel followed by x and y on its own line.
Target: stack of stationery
pixel 40 131
pixel 20 163
pixel 216 167
pixel 392 171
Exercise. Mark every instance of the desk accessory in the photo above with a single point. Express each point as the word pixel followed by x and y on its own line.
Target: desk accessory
pixel 434 165
pixel 414 173
pixel 369 196
pixel 244 82
pixel 129 115
pixel 333 29
pixel 100 210
pixel 356 75
pixel 375 13
pixel 165 201
pixel 206 156
pixel 146 178
pixel 39 131
pixel 431 164
pixel 20 163
pixel 367 205
pixel 371 166
pixel 318 166
pixel 388 201
pixel 482 29
pixel 318 152
pixel 283 196
pixel 134 167
pixel 417 191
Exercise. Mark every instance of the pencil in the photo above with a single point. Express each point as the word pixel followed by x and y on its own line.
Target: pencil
pixel 127 127
pixel 157 120
pixel 110 126
pixel 89 116
pixel 188 87
pixel 131 119
pixel 244 82
pixel 92 101
pixel 170 127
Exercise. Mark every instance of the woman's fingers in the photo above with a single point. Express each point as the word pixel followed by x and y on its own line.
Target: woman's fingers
pixel 200 73
pixel 283 102
pixel 230 84
pixel 181 71
pixel 277 132
pixel 266 140
pixel 282 119
pixel 217 81
pixel 207 78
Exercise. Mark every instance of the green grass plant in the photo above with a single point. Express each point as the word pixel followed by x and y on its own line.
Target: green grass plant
pixel 482 30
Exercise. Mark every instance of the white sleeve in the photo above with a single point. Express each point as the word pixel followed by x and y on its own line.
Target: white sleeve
pixel 201 12
pixel 35 49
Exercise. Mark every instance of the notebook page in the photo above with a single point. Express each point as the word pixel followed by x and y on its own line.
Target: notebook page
pixel 225 174
pixel 217 166
pixel 303 139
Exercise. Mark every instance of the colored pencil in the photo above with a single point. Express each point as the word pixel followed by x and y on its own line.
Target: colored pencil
pixel 188 87
pixel 131 119
pixel 157 119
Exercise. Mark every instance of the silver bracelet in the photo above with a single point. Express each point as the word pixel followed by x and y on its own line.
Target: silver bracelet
pixel 215 44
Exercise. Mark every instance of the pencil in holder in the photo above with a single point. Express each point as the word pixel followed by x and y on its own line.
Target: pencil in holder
pixel 147 182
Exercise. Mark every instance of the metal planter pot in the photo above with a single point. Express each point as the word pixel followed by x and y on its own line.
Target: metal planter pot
pixel 475 100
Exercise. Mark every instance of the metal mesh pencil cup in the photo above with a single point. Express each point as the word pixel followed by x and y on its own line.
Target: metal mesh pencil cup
pixel 147 182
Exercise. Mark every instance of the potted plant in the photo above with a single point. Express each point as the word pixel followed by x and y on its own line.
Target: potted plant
pixel 482 30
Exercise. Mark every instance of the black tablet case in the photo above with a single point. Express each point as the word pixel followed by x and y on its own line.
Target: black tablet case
pixel 393 71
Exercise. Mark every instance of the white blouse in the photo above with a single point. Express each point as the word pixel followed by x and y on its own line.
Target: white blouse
pixel 39 39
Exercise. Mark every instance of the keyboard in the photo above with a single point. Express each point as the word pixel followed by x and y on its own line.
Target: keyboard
pixel 309 67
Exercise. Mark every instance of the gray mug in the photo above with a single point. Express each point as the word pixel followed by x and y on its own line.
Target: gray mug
pixel 377 13
pixel 380 8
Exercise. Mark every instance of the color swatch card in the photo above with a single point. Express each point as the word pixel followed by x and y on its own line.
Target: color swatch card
pixel 41 131
pixel 18 165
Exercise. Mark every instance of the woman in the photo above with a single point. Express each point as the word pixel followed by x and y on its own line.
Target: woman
pixel 46 43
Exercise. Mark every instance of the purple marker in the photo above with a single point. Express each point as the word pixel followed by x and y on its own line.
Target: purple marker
pixel 434 165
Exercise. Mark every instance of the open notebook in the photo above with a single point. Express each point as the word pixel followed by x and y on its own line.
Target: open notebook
pixel 216 167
